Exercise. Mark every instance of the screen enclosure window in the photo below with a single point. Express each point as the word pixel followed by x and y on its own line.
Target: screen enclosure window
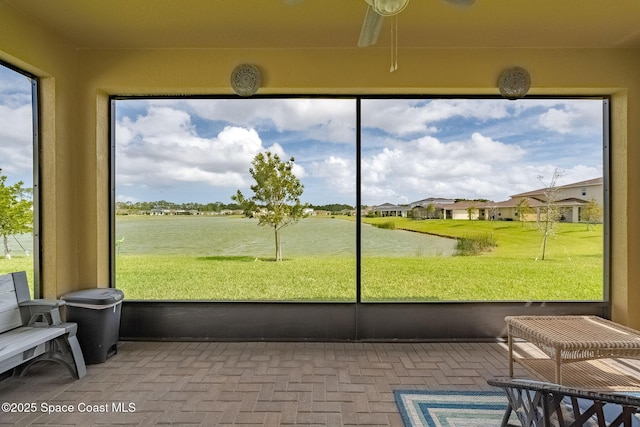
pixel 403 199
pixel 179 233
pixel 482 199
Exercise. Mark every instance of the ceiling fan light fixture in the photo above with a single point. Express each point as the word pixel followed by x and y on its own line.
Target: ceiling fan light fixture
pixel 388 7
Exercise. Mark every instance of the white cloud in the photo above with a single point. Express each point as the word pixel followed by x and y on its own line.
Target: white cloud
pixel 331 120
pixel 15 89
pixel 125 198
pixel 573 118
pixel 162 148
pixel 426 167
pixel 410 116
pixel 558 120
pixel 16 141
pixel 338 173
pixel 574 174
pixel 403 117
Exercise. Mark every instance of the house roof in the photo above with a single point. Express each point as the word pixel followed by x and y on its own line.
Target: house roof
pixel 587 183
pixel 389 206
pixel 430 200
pixel 463 205
pixel 512 203
pixel 139 24
pixel 540 191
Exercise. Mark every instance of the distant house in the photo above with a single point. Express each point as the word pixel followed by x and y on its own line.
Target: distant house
pixel 464 210
pixel 437 201
pixel 159 211
pixel 231 212
pixel 571 199
pixel 388 209
pixel 583 190
pixel 508 210
pixel 433 207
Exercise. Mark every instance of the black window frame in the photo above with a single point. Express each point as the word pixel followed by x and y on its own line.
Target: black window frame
pixel 35 111
pixel 358 99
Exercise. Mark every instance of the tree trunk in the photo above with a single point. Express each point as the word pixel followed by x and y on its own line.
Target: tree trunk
pixel 278 249
pixel 5 240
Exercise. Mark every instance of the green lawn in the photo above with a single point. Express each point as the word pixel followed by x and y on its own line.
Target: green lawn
pixel 515 239
pixel 572 269
pixel 236 278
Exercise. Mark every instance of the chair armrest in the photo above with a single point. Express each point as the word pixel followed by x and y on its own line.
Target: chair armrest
pixel 43 302
pixel 41 312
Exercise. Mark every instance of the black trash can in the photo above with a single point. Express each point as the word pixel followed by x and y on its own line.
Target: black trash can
pixel 97 313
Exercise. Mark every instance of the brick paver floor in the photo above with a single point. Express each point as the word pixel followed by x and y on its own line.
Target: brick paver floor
pixel 248 383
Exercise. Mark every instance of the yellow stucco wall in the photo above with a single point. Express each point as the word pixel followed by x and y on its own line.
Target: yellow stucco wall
pixel 75 123
pixel 27 45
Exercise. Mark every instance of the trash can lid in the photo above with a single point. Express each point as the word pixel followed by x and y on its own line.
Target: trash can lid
pixel 95 296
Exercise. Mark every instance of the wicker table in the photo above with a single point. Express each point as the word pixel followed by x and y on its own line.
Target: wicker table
pixel 573 338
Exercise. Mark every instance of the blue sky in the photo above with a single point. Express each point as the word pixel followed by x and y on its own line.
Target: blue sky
pixel 199 150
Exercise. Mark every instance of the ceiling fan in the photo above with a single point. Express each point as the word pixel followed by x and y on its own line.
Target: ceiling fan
pixel 379 9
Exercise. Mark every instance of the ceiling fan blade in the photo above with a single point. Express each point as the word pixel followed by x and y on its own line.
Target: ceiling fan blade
pixel 461 3
pixel 370 28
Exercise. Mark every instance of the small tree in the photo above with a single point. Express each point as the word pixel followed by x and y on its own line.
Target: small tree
pixel 277 192
pixel 550 215
pixel 592 213
pixel 16 216
pixel 524 209
pixel 470 211
pixel 431 210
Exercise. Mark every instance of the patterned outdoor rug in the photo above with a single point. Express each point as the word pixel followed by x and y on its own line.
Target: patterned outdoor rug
pixel 452 408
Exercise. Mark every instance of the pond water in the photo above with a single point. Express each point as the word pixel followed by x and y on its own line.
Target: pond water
pixel 224 236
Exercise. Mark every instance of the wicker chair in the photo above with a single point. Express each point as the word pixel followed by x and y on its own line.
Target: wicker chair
pixel 541 404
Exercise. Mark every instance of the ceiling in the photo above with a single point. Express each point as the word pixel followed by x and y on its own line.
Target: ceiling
pixel 123 24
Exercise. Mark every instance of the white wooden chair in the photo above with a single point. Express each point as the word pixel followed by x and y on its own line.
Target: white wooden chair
pixel 32 330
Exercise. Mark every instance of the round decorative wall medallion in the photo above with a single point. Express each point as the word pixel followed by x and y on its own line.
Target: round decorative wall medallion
pixel 245 79
pixel 514 83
